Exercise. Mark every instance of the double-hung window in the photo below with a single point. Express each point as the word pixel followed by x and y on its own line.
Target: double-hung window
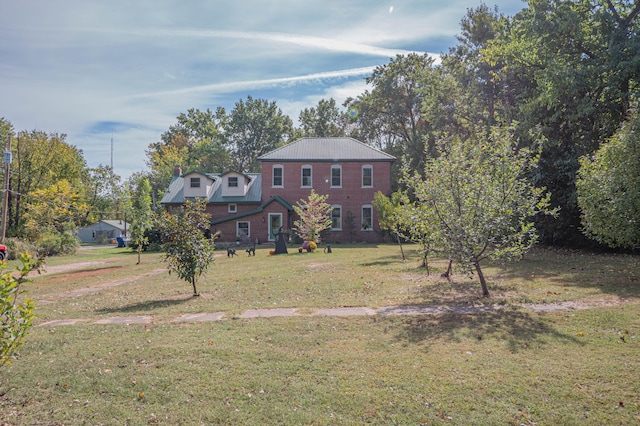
pixel 367 176
pixel 336 176
pixel 278 176
pixel 367 218
pixel 195 182
pixel 306 177
pixel 336 218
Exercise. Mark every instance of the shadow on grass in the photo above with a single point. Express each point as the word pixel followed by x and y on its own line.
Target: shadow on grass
pixel 56 271
pixel 519 329
pixel 145 306
pixel 385 261
pixel 616 274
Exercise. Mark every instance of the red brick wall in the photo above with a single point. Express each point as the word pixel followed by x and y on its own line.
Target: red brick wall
pixel 351 196
pixel 258 223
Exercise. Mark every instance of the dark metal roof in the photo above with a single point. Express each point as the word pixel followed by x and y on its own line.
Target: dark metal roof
pixel 327 149
pixel 175 192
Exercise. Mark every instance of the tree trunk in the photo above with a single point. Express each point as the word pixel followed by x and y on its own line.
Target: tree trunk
pixel 449 271
pixel 483 282
pixel 139 250
pixel 404 258
pixel 195 291
pixel 425 262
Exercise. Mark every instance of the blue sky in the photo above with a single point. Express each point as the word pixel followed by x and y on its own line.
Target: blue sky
pixel 125 69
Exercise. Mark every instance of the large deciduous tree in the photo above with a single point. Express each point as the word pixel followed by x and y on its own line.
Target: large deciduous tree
pixel 40 160
pixel 608 188
pixel 323 121
pixel 188 250
pixel 480 199
pixel 389 116
pixel 52 216
pixel 569 68
pixel 254 127
pixel 103 192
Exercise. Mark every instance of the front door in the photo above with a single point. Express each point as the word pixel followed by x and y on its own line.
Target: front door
pixel 275 223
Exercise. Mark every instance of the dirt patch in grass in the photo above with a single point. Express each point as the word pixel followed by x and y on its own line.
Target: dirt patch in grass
pixel 69 267
pixel 82 274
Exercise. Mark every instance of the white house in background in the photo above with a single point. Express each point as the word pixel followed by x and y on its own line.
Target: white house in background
pixel 104 231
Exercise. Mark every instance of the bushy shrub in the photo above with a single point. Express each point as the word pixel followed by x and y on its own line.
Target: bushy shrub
pixel 51 244
pixel 16 246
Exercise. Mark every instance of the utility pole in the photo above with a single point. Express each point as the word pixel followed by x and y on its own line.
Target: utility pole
pixel 7 171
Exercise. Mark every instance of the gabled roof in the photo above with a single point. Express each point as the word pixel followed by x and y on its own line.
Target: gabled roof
pixel 118 224
pixel 231 172
pixel 175 192
pixel 326 149
pixel 275 198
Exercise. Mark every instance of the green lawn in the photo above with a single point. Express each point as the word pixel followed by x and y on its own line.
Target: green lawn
pixel 510 366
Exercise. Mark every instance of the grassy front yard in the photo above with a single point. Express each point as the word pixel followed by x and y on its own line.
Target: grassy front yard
pixel 510 366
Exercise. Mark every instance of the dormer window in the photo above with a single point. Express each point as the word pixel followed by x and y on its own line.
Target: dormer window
pixel 195 182
pixel 233 182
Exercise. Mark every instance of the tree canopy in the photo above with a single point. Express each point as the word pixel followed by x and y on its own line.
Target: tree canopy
pixel 608 188
pixel 478 202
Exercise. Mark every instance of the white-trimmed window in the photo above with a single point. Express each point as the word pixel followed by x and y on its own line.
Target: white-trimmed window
pixel 307 181
pixel 232 208
pixel 336 218
pixel 277 180
pixel 242 229
pixel 336 176
pixel 367 218
pixel 232 181
pixel 194 182
pixel 367 176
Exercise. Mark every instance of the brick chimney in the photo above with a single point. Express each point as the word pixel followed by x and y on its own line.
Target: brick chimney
pixel 177 172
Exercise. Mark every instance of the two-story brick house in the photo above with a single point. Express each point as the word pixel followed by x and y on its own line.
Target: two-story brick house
pixel 254 206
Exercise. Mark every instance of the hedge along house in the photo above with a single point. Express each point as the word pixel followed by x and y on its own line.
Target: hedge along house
pixel 254 206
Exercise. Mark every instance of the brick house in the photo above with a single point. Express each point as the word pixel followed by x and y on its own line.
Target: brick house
pixel 253 206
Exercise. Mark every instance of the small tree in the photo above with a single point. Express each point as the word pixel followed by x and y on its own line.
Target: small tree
pixel 141 215
pixel 608 189
pixel 481 201
pixel 390 216
pixel 314 214
pixel 16 315
pixel 187 250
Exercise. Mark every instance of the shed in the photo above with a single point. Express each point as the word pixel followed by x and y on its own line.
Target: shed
pixel 104 231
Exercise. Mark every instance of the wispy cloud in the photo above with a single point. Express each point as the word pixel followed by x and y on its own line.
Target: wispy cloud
pixel 126 69
pixel 260 84
pixel 320 43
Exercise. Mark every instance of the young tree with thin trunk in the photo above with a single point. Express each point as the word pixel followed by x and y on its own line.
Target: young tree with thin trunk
pixel 390 215
pixel 187 249
pixel 141 215
pixel 314 216
pixel 481 201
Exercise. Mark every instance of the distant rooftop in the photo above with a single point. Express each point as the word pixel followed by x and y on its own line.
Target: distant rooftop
pixel 327 149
